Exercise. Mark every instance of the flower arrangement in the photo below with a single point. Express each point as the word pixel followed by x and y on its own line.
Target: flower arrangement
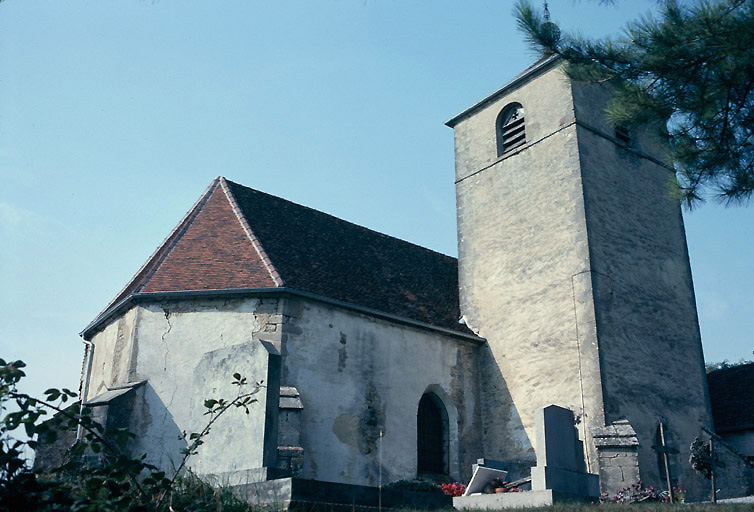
pixel 454 489
pixel 634 494
pixel 679 493
pixel 701 457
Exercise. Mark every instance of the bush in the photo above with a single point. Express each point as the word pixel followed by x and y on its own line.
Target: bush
pixel 97 474
pixel 415 486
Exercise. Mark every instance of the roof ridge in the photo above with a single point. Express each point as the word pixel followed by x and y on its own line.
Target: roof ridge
pixel 182 225
pixel 255 242
pixel 338 219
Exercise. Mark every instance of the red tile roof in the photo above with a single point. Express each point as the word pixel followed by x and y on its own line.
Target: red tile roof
pixel 731 393
pixel 214 253
pixel 239 238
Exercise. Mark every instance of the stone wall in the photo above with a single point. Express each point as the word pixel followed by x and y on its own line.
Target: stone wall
pixel 648 332
pixel 334 381
pixel 359 376
pixel 734 471
pixel 573 265
pixel 187 351
pixel 523 263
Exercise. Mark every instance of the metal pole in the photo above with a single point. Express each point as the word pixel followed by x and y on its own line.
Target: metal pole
pixel 712 469
pixel 667 465
pixel 379 498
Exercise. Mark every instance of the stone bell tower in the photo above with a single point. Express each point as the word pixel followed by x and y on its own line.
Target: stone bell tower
pixel 573 265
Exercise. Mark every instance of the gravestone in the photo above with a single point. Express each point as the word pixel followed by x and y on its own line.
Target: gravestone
pixel 560 455
pixel 560 474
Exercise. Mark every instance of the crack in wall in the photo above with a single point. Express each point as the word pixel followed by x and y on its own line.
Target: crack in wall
pixel 170 327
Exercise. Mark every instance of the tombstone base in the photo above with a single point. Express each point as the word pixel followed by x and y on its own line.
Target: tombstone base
pixel 319 496
pixel 562 480
pixel 525 499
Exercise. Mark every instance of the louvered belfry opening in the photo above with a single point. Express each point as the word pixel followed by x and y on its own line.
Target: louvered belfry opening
pixel 511 132
pixel 432 438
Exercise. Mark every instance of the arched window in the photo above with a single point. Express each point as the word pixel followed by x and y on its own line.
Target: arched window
pixel 432 435
pixel 510 128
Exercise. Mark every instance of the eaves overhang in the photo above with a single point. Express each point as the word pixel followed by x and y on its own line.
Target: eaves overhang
pixel 537 68
pixel 139 298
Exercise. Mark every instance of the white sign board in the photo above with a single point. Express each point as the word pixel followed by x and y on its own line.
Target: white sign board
pixel 481 477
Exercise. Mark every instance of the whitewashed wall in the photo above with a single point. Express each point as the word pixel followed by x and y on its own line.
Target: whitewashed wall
pixel 187 351
pixel 358 375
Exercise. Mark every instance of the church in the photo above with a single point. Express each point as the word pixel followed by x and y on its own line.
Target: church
pixel 381 360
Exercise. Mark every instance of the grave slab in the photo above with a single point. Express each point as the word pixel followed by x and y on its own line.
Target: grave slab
pixel 526 499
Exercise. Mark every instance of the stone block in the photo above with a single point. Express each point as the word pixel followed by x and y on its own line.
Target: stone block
pixel 617 458
pixel 571 482
pixel 557 442
pixel 617 434
pixel 290 460
pixel 290 398
pixel 560 455
pixel 527 499
pixel 612 479
pixel 617 450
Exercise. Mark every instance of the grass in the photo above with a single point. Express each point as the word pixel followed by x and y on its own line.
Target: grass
pixel 634 507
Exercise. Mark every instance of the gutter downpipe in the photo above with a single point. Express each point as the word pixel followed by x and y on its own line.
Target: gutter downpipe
pixel 89 355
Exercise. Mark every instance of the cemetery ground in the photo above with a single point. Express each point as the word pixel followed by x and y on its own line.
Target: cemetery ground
pixel 635 507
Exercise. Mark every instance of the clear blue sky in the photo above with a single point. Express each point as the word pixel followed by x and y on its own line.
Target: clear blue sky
pixel 115 116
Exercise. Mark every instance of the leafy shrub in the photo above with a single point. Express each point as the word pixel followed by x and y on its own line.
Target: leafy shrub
pixel 415 486
pixel 98 474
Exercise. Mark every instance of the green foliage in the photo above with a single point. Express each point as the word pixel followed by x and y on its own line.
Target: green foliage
pixel 98 474
pixel 688 70
pixel 415 486
pixel 538 31
pixel 192 493
pixel 724 364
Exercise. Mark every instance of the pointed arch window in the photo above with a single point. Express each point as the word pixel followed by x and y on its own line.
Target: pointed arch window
pixel 432 435
pixel 511 129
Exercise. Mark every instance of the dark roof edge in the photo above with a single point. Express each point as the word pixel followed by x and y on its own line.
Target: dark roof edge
pixel 135 298
pixel 538 67
pixel 339 219
pixel 735 428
